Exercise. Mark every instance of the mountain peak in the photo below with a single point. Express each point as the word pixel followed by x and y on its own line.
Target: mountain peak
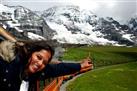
pixel 68 24
pixel 83 26
pixel 4 8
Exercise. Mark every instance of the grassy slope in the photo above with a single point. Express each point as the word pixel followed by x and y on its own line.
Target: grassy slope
pixel 121 77
pixel 116 78
pixel 101 55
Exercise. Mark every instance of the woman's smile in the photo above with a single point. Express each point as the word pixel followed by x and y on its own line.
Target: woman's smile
pixel 38 61
pixel 35 67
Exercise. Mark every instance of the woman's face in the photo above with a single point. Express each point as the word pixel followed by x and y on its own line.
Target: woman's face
pixel 38 61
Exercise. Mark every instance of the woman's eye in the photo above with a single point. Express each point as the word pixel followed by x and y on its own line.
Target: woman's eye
pixel 39 57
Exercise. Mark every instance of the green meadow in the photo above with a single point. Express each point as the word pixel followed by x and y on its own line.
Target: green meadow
pixel 115 68
pixel 102 55
pixel 122 77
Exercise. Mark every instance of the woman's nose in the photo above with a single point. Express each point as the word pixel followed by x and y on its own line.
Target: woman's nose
pixel 40 62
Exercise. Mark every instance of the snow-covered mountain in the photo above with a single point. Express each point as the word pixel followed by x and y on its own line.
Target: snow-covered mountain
pixel 133 25
pixel 70 24
pixel 24 23
pixel 75 25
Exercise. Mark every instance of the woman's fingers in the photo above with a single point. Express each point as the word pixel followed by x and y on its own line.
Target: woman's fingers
pixel 86 63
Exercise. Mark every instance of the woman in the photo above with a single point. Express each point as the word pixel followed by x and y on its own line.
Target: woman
pixel 22 64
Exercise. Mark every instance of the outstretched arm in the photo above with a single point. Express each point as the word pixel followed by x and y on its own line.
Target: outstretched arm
pixel 6 35
pixel 61 69
pixel 55 70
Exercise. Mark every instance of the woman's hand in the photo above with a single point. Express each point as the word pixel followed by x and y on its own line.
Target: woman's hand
pixel 86 64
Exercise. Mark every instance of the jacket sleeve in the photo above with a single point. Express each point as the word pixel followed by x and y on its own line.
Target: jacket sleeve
pixel 55 70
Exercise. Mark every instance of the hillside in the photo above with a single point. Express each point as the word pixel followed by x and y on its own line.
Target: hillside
pixel 68 24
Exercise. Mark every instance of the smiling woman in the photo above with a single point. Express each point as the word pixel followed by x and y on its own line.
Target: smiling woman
pixel 38 61
pixel 22 63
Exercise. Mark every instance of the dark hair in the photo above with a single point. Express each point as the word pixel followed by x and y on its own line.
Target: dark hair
pixel 30 47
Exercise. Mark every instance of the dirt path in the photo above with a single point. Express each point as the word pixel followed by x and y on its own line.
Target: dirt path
pixel 65 84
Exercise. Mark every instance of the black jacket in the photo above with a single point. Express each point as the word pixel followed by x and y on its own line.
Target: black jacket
pixel 11 77
pixel 11 73
pixel 11 70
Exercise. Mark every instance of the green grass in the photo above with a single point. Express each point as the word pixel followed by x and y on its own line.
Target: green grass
pixel 122 77
pixel 115 68
pixel 102 55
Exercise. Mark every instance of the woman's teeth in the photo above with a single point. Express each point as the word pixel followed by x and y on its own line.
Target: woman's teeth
pixel 35 66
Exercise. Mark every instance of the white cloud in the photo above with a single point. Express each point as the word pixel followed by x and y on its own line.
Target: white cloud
pixel 120 10
pixel 86 4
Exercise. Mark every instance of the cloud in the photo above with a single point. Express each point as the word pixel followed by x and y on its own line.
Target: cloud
pixel 121 10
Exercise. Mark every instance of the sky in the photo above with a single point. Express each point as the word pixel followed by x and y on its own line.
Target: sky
pixel 121 10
